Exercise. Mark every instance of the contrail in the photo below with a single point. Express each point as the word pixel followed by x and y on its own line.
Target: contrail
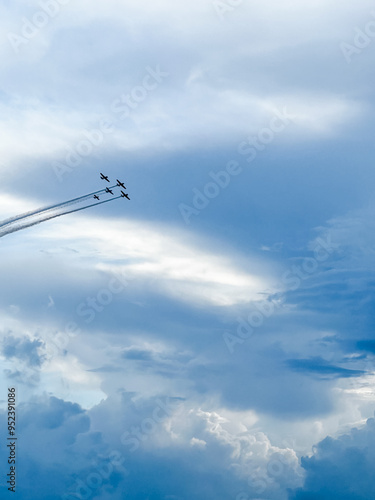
pixel 13 229
pixel 40 211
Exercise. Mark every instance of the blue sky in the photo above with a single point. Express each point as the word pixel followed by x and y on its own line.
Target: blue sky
pixel 213 337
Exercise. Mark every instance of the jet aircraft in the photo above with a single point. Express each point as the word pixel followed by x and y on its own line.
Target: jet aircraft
pixel 104 177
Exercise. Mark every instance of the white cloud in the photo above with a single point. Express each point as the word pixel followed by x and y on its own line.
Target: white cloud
pixel 164 259
pixel 206 101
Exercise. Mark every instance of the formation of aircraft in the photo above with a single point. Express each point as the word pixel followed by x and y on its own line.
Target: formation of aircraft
pixel 107 190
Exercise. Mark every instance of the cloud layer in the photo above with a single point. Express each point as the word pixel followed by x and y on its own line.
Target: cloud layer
pixel 229 355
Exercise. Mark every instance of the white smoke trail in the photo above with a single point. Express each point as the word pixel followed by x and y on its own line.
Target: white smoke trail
pixel 11 228
pixel 40 211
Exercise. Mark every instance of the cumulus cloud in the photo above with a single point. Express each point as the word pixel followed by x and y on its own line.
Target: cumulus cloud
pixel 23 358
pixel 77 454
pixel 49 428
pixel 23 349
pixel 341 467
pixel 217 445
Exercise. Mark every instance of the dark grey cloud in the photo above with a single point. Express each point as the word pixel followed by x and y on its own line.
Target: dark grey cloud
pixel 366 345
pixel 341 468
pixel 24 349
pixel 320 367
pixel 138 355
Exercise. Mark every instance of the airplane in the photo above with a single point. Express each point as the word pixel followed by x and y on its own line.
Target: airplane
pixel 104 177
pixel 120 184
pixel 107 190
pixel 96 197
pixel 125 195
